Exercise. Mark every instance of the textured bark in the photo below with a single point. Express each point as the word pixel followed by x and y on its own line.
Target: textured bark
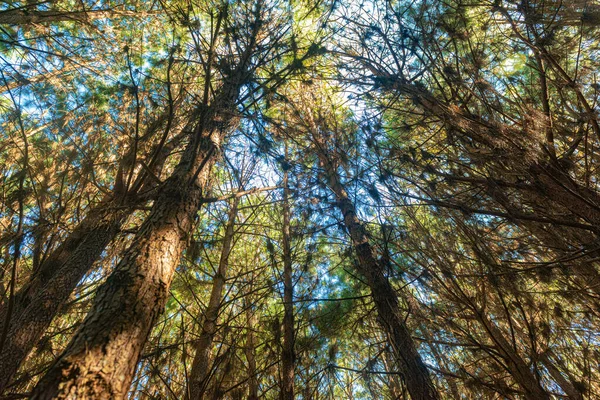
pixel 287 351
pixel 40 300
pixel 416 375
pixel 200 366
pixel 100 361
pixel 24 16
pixel 52 283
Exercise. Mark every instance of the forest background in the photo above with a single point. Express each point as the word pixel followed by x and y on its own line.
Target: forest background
pixel 279 199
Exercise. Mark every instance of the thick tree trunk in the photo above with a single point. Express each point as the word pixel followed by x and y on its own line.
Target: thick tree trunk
pixel 39 301
pixel 416 375
pixel 24 16
pixel 200 366
pixel 287 351
pixel 52 283
pixel 100 361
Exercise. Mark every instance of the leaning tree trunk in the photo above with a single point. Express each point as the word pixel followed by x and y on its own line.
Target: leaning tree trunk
pixel 416 375
pixel 200 366
pixel 42 298
pixel 100 361
pixel 565 383
pixel 28 16
pixel 515 364
pixel 517 367
pixel 36 305
pixel 287 351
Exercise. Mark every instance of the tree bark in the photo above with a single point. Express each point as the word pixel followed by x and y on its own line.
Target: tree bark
pixel 24 16
pixel 287 351
pixel 41 299
pixel 100 361
pixel 416 375
pixel 200 366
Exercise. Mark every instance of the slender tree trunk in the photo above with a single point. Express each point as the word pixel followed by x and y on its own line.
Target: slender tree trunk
pixel 518 368
pixel 16 83
pixel 565 384
pixel 416 375
pixel 443 360
pixel 200 365
pixel 287 351
pixel 250 349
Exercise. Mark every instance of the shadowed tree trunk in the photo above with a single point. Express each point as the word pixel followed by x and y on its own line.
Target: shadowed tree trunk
pixel 416 375
pixel 200 366
pixel 28 16
pixel 41 299
pixel 443 361
pixel 287 351
pixel 565 383
pixel 518 368
pixel 100 361
pixel 39 302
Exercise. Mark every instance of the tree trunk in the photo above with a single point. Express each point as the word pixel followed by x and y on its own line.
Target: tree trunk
pixel 287 351
pixel 416 375
pixel 53 282
pixel 517 367
pixel 250 349
pixel 200 366
pixel 39 301
pixel 565 384
pixel 443 361
pixel 20 81
pixel 22 17
pixel 100 361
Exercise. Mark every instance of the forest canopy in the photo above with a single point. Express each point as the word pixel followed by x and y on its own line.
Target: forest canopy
pixel 300 199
